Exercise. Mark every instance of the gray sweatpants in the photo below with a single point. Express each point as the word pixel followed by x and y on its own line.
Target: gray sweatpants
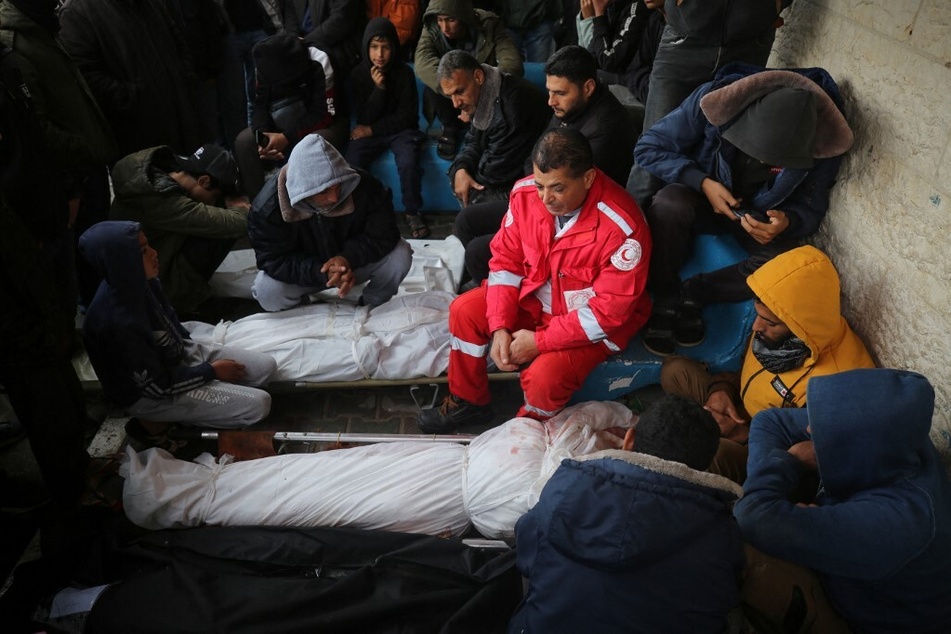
pixel 383 281
pixel 216 403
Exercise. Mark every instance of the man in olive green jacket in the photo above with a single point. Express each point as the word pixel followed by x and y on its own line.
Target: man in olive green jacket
pixel 455 24
pixel 188 208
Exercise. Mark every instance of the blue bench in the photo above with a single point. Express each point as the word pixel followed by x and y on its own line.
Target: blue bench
pixel 727 334
pixel 437 194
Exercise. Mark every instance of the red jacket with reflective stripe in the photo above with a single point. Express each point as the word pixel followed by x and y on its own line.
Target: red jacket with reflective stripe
pixel 597 268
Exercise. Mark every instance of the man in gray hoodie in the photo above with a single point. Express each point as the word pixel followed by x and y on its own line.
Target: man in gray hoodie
pixel 320 223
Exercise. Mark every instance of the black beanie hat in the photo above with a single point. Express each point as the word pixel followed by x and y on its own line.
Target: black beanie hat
pixel 779 128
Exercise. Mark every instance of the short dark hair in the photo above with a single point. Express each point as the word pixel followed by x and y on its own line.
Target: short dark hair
pixel 454 60
pixel 679 429
pixel 563 147
pixel 574 63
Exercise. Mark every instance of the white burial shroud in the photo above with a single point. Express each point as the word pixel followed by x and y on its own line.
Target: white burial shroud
pixel 407 337
pixel 414 487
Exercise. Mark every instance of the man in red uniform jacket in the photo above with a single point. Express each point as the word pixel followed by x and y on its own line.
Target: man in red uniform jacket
pixel 566 288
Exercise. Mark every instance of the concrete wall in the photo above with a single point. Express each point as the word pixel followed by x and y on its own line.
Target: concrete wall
pixel 889 224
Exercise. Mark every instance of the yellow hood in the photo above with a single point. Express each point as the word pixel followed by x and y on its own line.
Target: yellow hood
pixel 802 288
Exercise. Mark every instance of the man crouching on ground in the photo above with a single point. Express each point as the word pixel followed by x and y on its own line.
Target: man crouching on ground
pixel 320 223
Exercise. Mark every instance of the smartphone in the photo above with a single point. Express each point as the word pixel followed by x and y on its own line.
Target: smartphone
pixel 261 138
pixel 739 212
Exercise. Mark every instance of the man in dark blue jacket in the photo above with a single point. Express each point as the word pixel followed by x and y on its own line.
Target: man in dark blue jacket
pixel 639 540
pixel 753 154
pixel 878 533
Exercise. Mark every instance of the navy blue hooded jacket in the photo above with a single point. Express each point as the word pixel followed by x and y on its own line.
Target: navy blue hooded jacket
pixel 687 145
pixel 132 335
pixel 626 542
pixel 880 535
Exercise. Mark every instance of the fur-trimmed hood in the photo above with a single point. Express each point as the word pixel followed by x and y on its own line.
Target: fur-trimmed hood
pixel 670 468
pixel 722 106
pixel 653 507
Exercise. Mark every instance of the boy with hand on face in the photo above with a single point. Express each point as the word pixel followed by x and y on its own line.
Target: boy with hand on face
pixel 386 104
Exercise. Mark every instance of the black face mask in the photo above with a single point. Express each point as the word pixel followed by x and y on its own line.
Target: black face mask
pixel 749 175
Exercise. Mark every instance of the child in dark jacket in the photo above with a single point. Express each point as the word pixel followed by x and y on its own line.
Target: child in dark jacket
pixel 386 103
pixel 144 357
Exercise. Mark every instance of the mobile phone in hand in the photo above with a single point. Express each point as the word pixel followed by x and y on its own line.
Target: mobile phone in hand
pixel 261 138
pixel 739 212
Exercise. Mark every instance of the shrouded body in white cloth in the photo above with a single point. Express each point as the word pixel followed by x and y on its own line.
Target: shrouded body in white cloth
pixel 413 487
pixel 407 337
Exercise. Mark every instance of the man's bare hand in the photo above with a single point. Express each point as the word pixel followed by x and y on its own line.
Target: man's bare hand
pixel 599 6
pixel 500 352
pixel 721 199
pixel 764 232
pixel 228 370
pixel 805 453
pixel 360 132
pixel 339 274
pixel 587 9
pixel 462 182
pixel 523 349
pixel 237 202
pixel 276 144
pixel 732 425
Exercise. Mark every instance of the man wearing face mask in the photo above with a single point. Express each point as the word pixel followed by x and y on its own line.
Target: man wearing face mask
pixel 799 333
pixel 320 223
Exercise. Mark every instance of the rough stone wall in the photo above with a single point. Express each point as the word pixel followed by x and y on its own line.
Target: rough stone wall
pixel 889 224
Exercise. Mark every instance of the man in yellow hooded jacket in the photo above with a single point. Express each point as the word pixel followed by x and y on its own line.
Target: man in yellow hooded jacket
pixel 799 333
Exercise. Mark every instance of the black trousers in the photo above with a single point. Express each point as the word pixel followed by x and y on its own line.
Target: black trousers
pixel 675 216
pixel 475 226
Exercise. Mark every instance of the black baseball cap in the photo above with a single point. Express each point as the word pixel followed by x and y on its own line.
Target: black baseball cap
pixel 215 161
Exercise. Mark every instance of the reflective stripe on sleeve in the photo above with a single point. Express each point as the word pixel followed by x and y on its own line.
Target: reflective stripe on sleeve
pixel 616 218
pixel 590 325
pixel 505 278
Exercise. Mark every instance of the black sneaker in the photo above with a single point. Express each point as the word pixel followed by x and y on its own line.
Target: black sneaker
pixel 658 334
pixel 452 413
pixel 447 145
pixel 690 330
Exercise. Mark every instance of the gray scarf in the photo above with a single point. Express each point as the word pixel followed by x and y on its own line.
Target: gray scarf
pixel 789 355
pixel 482 118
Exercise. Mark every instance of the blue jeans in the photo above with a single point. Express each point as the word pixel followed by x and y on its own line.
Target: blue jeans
pixel 236 83
pixel 681 66
pixel 536 44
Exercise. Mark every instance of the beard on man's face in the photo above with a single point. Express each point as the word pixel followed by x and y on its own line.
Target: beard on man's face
pixel 771 344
